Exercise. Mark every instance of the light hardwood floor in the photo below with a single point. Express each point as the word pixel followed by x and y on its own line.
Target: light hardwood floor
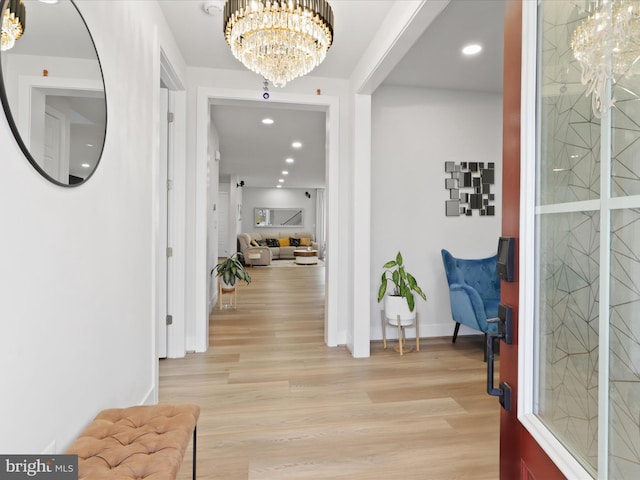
pixel 277 404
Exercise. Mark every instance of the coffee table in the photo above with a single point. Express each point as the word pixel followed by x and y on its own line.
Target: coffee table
pixel 305 257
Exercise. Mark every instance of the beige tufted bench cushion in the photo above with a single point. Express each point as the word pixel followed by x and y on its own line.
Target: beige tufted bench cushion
pixel 143 442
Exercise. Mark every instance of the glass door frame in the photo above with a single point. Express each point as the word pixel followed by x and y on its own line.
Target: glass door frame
pixel 528 357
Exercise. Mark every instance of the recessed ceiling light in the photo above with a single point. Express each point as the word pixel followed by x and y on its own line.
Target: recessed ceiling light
pixel 296 144
pixel 85 165
pixel 89 144
pixel 267 121
pixel 281 180
pixel 289 160
pixel 278 186
pixel 472 49
pixel 285 172
pixel 51 2
pixel 560 169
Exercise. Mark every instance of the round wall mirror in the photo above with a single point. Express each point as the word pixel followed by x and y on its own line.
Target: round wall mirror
pixel 52 88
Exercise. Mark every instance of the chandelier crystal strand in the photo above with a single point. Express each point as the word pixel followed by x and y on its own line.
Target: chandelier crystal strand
pixel 607 45
pixel 279 40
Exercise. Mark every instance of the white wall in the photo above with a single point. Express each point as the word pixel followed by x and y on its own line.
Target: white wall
pixel 414 131
pixel 76 284
pixel 279 198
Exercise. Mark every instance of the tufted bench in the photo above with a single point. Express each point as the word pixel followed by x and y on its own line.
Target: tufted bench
pixel 136 442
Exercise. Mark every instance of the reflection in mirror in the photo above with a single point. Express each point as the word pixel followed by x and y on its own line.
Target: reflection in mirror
pixel 53 92
pixel 278 217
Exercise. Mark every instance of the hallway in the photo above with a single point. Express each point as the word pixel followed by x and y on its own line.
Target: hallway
pixel 277 404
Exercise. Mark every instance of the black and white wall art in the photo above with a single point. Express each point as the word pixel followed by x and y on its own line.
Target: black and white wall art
pixel 470 187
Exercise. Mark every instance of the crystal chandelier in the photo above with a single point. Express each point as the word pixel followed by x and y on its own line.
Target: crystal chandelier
pixel 280 40
pixel 13 24
pixel 607 45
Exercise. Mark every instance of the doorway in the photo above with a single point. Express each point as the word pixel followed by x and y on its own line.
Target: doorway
pixel 169 222
pixel 208 97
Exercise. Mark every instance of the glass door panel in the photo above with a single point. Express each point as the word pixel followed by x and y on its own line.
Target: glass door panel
pixel 568 330
pixel 587 384
pixel 569 147
pixel 625 130
pixel 624 372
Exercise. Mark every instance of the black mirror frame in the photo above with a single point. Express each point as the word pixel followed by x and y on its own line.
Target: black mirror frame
pixel 14 127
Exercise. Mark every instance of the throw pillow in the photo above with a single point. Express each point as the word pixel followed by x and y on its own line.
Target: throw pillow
pixel 284 242
pixel 294 242
pixel 272 242
pixel 255 243
pixel 262 243
pixel 305 242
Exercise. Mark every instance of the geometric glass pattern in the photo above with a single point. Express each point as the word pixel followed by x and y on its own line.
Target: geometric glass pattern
pixel 569 274
pixel 625 140
pixel 569 165
pixel 624 368
pixel 568 282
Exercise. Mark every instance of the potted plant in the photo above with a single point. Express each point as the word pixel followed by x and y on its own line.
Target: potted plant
pixel 401 300
pixel 231 269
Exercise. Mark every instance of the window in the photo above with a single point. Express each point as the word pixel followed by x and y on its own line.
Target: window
pixel 580 319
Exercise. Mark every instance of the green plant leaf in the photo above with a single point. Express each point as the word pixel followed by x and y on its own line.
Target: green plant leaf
pixel 399 259
pixel 402 273
pixel 410 300
pixel 383 286
pixel 419 291
pixel 389 264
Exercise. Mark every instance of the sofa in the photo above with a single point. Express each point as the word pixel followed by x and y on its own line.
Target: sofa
pixel 259 248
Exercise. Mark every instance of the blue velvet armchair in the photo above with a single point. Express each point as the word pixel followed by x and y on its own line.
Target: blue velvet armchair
pixel 474 291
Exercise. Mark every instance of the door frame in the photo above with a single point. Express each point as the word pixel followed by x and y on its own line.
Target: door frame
pixel 62 160
pixel 176 333
pixel 328 103
pixel 162 290
pixel 521 456
pixel 540 451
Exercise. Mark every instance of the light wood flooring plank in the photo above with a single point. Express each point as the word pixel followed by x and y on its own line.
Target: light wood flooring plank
pixel 277 404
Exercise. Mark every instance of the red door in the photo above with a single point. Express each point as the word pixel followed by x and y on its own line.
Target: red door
pixel 520 455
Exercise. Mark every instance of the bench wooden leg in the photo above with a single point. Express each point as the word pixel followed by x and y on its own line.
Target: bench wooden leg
pixel 195 436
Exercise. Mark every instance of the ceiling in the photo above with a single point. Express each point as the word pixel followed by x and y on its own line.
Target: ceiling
pixel 256 152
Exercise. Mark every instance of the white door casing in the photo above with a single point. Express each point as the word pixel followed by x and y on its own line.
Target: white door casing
pixel 161 260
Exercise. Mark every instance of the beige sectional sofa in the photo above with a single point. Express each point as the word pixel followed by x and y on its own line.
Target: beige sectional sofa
pixel 256 250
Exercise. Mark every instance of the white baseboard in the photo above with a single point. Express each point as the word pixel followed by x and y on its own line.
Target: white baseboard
pixel 426 331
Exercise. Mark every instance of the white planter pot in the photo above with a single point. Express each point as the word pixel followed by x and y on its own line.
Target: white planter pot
pixel 225 286
pixel 394 306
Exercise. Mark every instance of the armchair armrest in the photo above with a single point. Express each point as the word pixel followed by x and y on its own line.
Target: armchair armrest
pixel 257 255
pixel 467 307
